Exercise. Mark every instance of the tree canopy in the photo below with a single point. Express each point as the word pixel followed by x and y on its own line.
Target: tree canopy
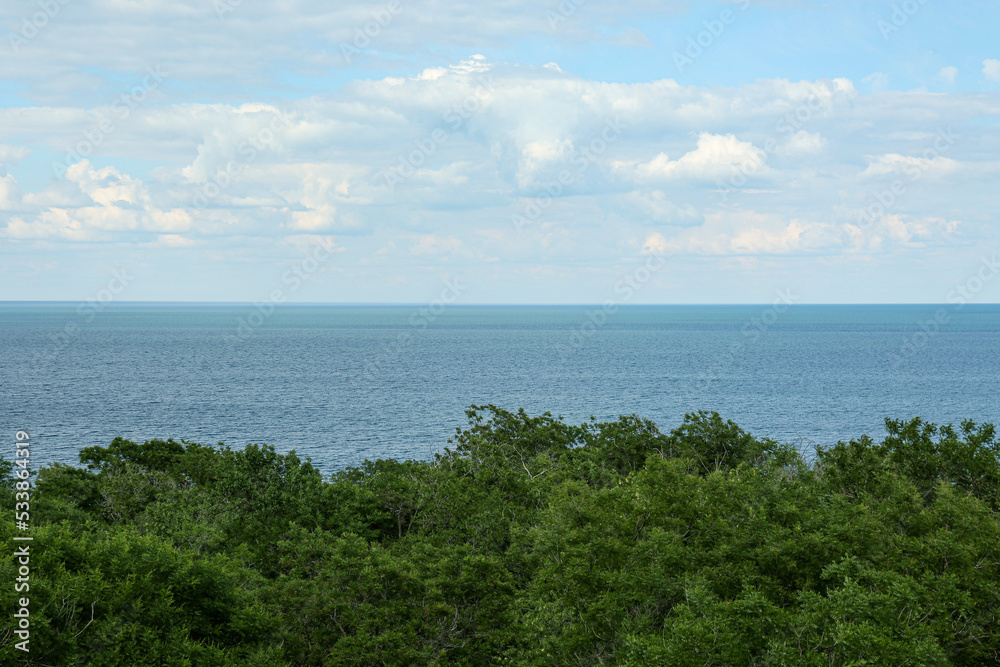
pixel 527 541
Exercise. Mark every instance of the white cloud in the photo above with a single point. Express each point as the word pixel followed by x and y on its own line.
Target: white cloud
pixel 948 74
pixel 910 230
pixel 478 139
pixel 106 186
pixel 10 156
pixel 654 206
pixel 239 48
pixel 174 241
pixel 902 230
pixel 715 157
pixel 10 194
pixel 174 220
pixel 656 244
pixel 761 241
pixel 991 69
pixel 538 156
pixel 52 223
pixel 877 80
pixel 116 202
pixel 803 143
pixel 314 220
pixel 910 166
pixel 639 154
pixel 736 233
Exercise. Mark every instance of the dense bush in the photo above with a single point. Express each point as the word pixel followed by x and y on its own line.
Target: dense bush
pixel 528 542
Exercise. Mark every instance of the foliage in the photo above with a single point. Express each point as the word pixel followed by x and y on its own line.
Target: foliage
pixel 529 541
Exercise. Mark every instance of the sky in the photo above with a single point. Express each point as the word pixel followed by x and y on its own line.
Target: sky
pixel 524 152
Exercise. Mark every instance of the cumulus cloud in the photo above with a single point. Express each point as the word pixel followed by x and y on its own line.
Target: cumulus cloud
pixel 901 230
pixel 908 230
pixel 107 187
pixel 114 202
pixel 444 150
pixel 757 241
pixel 715 157
pixel 403 133
pixel 538 156
pixel 754 233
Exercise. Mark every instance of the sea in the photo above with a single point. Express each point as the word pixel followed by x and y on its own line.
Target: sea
pixel 344 383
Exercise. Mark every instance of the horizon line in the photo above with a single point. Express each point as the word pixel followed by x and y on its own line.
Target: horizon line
pixel 466 305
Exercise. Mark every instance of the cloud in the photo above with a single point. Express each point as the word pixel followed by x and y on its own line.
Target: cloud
pixel 803 143
pixel 114 202
pixel 911 230
pixel 948 74
pixel 877 80
pixel 233 46
pixel 314 220
pixel 991 69
pixel 910 166
pixel 10 156
pixel 653 206
pixel 10 194
pixel 538 156
pixel 429 244
pixel 715 157
pixel 174 241
pixel 107 187
pixel 473 141
pixel 753 233
pixel 656 244
pixel 763 242
pixel 51 223
pixel 900 230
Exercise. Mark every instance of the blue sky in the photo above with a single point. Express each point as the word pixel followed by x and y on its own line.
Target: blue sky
pixel 537 152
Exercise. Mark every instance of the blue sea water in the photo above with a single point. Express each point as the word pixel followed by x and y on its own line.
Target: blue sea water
pixel 344 383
